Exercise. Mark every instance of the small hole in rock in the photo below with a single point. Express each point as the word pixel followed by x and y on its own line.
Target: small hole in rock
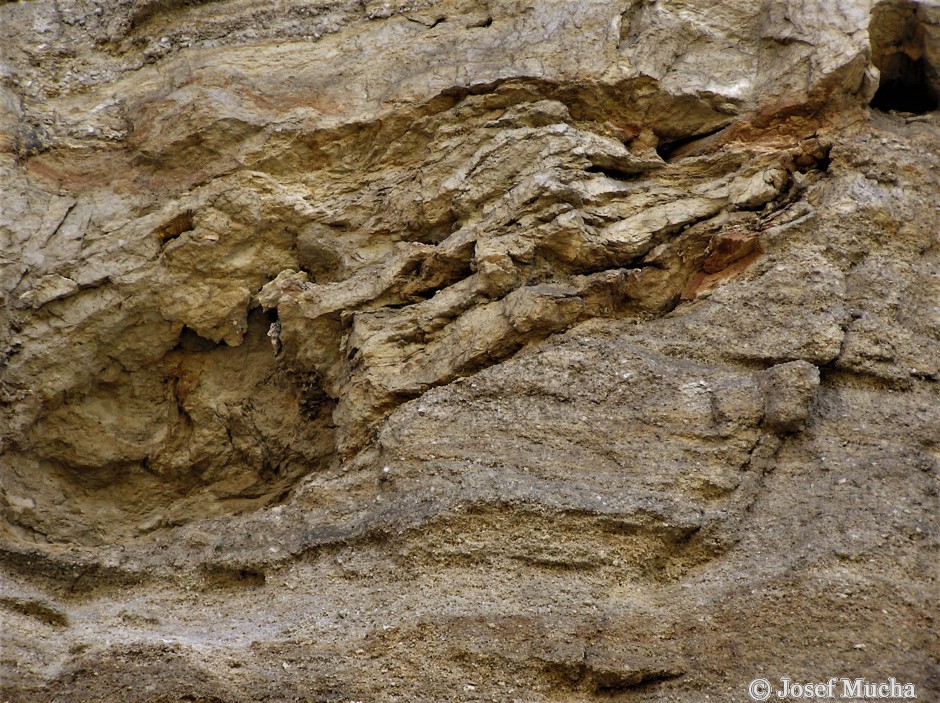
pixel 191 341
pixel 181 223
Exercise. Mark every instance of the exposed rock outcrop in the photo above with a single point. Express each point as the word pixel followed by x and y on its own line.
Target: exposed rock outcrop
pixel 467 350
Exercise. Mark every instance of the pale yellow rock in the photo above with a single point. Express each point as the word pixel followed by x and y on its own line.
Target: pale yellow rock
pixel 47 289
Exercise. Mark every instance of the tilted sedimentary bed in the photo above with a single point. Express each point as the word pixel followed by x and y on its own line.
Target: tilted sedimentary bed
pixel 467 350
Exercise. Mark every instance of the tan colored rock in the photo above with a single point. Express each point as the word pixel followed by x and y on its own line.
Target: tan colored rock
pixel 434 350
pixel 789 395
pixel 48 289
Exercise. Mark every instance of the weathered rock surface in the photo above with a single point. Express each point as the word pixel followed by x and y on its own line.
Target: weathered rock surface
pixel 425 351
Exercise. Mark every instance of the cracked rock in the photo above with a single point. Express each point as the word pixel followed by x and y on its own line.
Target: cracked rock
pixel 429 350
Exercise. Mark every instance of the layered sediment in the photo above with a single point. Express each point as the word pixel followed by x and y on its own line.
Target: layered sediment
pixel 451 350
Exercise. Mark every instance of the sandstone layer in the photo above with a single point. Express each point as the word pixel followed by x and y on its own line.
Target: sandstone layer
pixel 469 350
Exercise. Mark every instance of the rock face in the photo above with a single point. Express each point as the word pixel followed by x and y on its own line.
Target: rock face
pixel 426 351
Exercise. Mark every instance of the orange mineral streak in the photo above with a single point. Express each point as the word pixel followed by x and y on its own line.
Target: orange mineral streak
pixel 731 254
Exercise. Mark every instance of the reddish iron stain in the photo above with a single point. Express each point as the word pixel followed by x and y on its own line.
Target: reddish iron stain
pixel 730 255
pixel 728 248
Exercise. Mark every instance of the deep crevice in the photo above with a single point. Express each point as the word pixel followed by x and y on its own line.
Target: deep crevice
pixel 904 87
pixel 612 172
pixel 909 83
pixel 666 149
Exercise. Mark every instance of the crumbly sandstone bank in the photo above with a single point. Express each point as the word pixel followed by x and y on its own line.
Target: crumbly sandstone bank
pixel 432 351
